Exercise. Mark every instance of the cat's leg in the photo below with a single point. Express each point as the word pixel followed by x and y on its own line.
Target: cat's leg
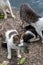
pixel 18 53
pixel 10 9
pixel 5 14
pixel 9 52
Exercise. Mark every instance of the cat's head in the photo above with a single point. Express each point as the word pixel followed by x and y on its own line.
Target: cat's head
pixel 17 39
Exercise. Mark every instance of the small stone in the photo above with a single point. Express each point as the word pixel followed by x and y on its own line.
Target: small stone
pixel 5 62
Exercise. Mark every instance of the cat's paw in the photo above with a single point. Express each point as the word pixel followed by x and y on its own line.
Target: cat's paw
pixel 9 57
pixel 5 17
pixel 14 16
pixel 19 56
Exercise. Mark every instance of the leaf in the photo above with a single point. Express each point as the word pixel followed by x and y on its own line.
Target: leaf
pixel 1 64
pixel 22 60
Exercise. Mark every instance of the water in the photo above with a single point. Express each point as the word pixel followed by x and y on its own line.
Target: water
pixel 37 5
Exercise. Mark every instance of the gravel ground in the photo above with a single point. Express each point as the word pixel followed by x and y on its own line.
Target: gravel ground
pixel 35 55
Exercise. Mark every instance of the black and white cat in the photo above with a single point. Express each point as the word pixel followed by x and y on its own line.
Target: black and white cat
pixel 28 15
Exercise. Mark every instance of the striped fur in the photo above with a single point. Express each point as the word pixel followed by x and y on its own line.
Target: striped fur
pixel 27 14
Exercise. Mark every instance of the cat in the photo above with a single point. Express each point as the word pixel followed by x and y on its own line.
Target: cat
pixel 13 41
pixel 27 14
pixel 5 4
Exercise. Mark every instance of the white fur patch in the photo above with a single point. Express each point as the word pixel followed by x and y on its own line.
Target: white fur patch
pixel 38 26
pixel 21 43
